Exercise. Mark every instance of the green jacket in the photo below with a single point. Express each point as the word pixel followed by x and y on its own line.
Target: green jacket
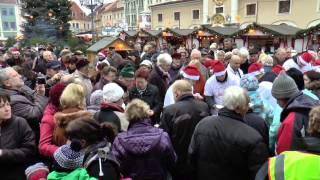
pixel 78 174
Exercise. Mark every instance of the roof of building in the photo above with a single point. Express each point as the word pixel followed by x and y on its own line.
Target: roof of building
pixel 181 32
pixel 224 31
pixel 108 42
pixel 84 9
pixel 172 2
pixel 8 1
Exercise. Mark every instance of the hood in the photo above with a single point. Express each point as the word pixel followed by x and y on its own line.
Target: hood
pixel 300 103
pixel 63 118
pixel 141 138
pixel 312 144
pixel 111 106
pixel 314 85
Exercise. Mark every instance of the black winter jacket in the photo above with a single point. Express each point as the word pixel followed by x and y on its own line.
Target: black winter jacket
pixel 18 147
pixel 224 147
pixel 151 97
pixel 179 121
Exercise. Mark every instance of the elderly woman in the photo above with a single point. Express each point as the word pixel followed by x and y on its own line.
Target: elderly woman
pixel 219 147
pixel 160 76
pixel 146 92
pixel 144 152
pixel 73 105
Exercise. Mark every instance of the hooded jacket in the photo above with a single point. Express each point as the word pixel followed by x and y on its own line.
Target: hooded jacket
pixel 294 122
pixel 144 152
pixel 78 174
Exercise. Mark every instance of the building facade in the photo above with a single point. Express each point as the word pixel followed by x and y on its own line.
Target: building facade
pixel 177 14
pixel 10 20
pixel 81 18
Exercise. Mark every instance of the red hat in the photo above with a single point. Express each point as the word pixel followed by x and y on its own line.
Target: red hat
pixel 219 69
pixel 15 51
pixel 191 72
pixel 306 58
pixel 209 63
pixel 277 69
pixel 255 69
pixel 316 63
pixel 101 53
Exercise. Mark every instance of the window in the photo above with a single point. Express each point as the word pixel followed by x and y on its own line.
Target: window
pixel 177 16
pixel 159 17
pixel 251 9
pixel 13 25
pixel 11 12
pixel 4 12
pixel 77 25
pixel 284 6
pixel 84 26
pixel 219 10
pixel 195 14
pixel 88 26
pixel 73 14
pixel 5 25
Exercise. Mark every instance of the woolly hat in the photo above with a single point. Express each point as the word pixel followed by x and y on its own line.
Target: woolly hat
pixel 37 171
pixel 112 92
pixel 249 82
pixel 191 72
pixel 127 72
pixel 96 97
pixel 69 156
pixel 219 69
pixel 256 69
pixel 81 63
pixel 55 93
pixel 306 58
pixel 277 69
pixel 284 87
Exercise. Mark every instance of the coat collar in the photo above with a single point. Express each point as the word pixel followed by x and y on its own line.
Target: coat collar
pixel 186 97
pixel 141 123
pixel 111 106
pixel 230 114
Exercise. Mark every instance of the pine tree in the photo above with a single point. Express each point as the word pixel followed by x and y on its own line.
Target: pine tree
pixel 46 19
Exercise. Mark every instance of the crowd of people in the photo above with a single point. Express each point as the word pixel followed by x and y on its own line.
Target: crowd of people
pixel 159 113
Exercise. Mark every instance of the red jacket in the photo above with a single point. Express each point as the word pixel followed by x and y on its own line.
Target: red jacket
pixel 47 125
pixel 294 123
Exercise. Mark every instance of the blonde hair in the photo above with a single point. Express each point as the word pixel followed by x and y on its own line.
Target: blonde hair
pixel 314 121
pixel 73 96
pixel 182 86
pixel 137 110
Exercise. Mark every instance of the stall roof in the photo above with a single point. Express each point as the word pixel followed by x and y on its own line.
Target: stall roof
pixel 152 32
pixel 181 32
pixel 278 30
pixel 107 42
pixel 131 33
pixel 224 31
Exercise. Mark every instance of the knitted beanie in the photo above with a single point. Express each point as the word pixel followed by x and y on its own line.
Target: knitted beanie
pixel 69 156
pixel 112 92
pixel 127 72
pixel 284 87
pixel 37 171
pixel 249 82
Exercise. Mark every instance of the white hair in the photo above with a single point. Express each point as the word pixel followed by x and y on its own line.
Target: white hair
pixel 235 51
pixel 235 97
pixel 164 59
pixel 195 51
pixel 244 53
pixel 4 75
pixel 213 46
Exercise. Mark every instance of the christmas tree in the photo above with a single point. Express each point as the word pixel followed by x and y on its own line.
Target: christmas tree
pixel 46 19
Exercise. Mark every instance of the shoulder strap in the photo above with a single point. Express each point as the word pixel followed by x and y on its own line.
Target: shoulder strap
pixel 262 174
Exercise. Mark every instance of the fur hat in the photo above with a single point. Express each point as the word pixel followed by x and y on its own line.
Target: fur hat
pixel 284 87
pixel 112 92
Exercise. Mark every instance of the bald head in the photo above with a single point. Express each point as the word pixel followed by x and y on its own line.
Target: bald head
pixel 181 87
pixel 235 62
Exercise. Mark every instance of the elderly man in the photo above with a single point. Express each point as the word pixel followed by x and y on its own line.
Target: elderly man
pixel 25 102
pixel 224 146
pixel 40 64
pixel 234 68
pixel 159 75
pixel 179 121
pixel 196 55
pixel 280 56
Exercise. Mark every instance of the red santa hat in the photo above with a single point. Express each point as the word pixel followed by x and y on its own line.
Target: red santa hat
pixel 191 72
pixel 219 69
pixel 306 58
pixel 316 65
pixel 277 69
pixel 255 69
pixel 101 54
pixel 208 62
pixel 15 51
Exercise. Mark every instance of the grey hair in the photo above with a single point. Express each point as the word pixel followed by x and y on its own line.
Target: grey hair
pixel 235 97
pixel 164 59
pixel 4 75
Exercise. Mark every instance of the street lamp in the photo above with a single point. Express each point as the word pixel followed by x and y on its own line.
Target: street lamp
pixel 91 4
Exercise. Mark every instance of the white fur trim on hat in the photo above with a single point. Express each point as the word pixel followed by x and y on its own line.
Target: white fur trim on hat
pixel 256 73
pixel 195 78
pixel 217 74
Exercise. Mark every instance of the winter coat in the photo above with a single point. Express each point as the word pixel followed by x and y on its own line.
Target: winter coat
pixel 110 166
pixel 40 65
pixel 47 125
pixel 179 121
pixel 78 174
pixel 151 97
pixel 61 121
pixel 28 105
pixel 174 71
pixel 18 146
pixel 294 122
pixel 225 147
pixel 160 80
pixel 144 152
pixel 314 86
pixel 114 114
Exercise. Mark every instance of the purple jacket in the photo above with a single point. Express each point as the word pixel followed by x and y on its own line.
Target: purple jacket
pixel 144 152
